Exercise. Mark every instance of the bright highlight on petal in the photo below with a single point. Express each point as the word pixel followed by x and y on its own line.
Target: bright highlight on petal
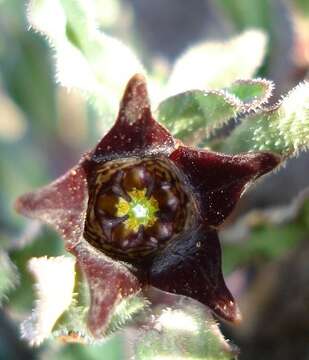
pixel 55 278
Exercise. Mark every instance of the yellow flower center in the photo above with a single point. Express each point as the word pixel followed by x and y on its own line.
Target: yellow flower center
pixel 141 210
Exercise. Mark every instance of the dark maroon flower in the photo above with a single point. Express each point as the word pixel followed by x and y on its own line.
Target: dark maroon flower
pixel 143 209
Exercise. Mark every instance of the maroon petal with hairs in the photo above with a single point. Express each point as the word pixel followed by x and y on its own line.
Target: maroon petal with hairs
pixel 192 267
pixel 61 204
pixel 218 180
pixel 135 131
pixel 108 283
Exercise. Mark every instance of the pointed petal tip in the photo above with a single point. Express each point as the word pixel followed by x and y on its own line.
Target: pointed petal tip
pixel 266 162
pixel 22 204
pixel 136 88
pixel 135 130
pixel 140 78
pixel 135 103
pixel 237 319
pixel 17 205
pixel 229 312
pixel 108 282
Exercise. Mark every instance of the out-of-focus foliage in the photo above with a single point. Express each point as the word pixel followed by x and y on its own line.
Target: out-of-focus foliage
pixel 271 16
pixel 86 58
pixel 8 276
pixel 302 5
pixel 13 124
pixel 26 68
pixel 204 67
pixel 264 235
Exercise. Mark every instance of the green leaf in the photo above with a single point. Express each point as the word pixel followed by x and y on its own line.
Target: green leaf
pixel 194 115
pixel 86 59
pixel 253 92
pixel 184 332
pixel 213 65
pixel 8 276
pixel 283 129
pixel 125 311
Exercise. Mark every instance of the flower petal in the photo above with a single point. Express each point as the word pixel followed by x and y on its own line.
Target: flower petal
pixel 192 267
pixel 109 281
pixel 61 204
pixel 135 130
pixel 218 180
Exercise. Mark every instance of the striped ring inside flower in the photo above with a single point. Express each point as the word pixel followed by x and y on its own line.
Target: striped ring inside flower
pixel 136 207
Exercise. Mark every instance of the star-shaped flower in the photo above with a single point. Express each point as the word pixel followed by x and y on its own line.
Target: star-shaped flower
pixel 143 209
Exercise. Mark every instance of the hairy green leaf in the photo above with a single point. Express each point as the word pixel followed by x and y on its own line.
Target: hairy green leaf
pixel 192 116
pixel 125 311
pixel 54 276
pixel 185 331
pixel 213 65
pixel 253 93
pixel 283 129
pixel 86 59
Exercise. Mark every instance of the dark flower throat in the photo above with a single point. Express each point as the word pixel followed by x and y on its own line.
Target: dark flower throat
pixel 136 207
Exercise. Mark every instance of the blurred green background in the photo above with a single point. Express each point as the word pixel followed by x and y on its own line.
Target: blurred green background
pixel 44 128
